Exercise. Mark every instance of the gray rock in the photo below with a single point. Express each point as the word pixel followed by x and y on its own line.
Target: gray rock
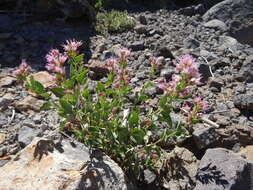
pixel 149 176
pixel 227 42
pixel 217 24
pixel 225 11
pixel 244 102
pixel 247 69
pixel 143 19
pixel 191 43
pixel 165 52
pixel 140 29
pixel 167 72
pixel 137 46
pixel 205 72
pixel 183 177
pixel 216 82
pixel 153 90
pixel 26 135
pixel 221 169
pixel 6 100
pixel 204 136
pixel 67 165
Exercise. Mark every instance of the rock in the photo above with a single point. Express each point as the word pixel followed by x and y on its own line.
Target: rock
pixel 6 100
pixel 204 136
pixel 217 24
pixel 44 78
pixel 143 19
pixel 7 81
pixel 45 165
pixel 29 103
pixel 98 70
pixel 216 82
pixel 225 11
pixel 191 43
pixel 149 176
pixel 181 168
pixel 26 135
pixel 221 169
pixel 137 46
pixel 247 152
pixel 247 69
pixel 167 73
pixel 165 52
pixel 205 72
pixel 153 90
pixel 140 29
pixel 2 138
pixel 227 42
pixel 244 102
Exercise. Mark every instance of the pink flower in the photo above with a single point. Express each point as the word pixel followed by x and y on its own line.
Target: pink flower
pixel 72 45
pixel 162 86
pixel 123 53
pixel 112 64
pixel 23 69
pixel 201 104
pixel 56 58
pixel 186 107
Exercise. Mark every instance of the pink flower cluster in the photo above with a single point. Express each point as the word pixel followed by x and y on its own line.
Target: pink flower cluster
pixel 194 110
pixel 55 61
pixel 72 45
pixel 123 53
pixel 188 76
pixel 117 66
pixel 189 69
pixel 23 69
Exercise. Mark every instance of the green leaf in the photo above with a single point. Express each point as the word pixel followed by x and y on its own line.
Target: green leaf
pixel 133 119
pixel 137 135
pixel 67 107
pixel 58 91
pixel 46 106
pixel 100 87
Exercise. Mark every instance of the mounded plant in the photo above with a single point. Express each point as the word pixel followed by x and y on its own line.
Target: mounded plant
pixel 106 118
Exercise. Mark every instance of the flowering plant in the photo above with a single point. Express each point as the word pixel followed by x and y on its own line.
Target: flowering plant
pixel 106 119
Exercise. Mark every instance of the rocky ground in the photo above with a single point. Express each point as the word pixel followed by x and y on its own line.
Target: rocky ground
pixel 218 155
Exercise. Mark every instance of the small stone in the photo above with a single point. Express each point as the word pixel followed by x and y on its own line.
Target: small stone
pixel 216 82
pixel 6 100
pixel 205 72
pixel 2 138
pixel 244 102
pixel 149 176
pixel 217 24
pixel 191 43
pixel 26 135
pixel 29 103
pixel 140 29
pixel 167 73
pixel 204 136
pixel 143 19
pixel 153 90
pixel 165 52
pixel 7 81
pixel 44 78
pixel 137 46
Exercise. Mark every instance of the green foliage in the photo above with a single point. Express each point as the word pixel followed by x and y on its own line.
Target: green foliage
pixel 113 21
pixel 109 121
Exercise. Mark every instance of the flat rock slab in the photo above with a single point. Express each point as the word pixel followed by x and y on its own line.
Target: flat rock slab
pixel 43 165
pixel 221 169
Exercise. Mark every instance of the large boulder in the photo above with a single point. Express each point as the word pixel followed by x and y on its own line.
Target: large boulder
pixel 232 12
pixel 45 165
pixel 221 169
